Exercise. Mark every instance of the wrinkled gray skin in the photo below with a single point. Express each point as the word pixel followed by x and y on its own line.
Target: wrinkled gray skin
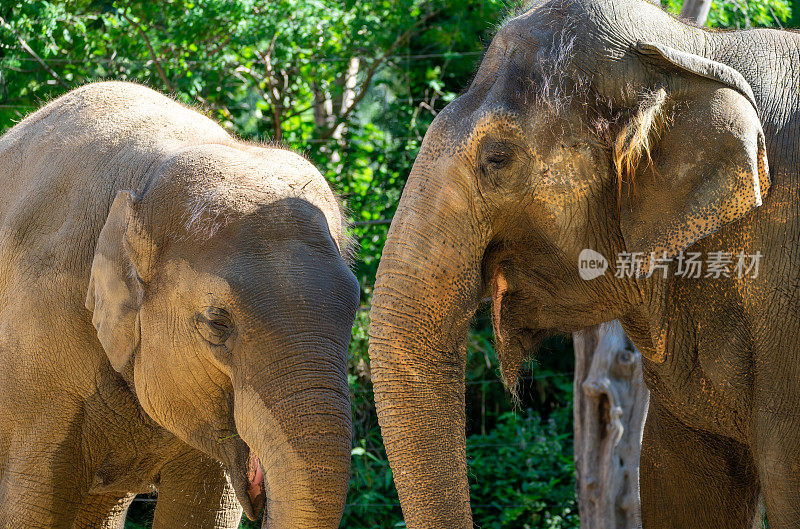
pixel 545 155
pixel 219 311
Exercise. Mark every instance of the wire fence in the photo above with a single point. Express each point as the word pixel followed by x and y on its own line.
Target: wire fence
pixel 543 376
pixel 193 62
pixel 171 61
pixel 376 505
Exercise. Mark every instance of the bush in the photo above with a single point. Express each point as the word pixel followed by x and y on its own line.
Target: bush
pixel 521 476
pixel 522 473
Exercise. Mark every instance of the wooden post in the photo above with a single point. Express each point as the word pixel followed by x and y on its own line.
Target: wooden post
pixel 610 407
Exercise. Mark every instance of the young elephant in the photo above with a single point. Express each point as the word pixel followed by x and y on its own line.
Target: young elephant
pixel 210 363
pixel 611 127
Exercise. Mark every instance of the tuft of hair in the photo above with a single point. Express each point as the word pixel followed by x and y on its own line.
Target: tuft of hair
pixel 558 87
pixel 519 350
pixel 510 370
pixel 518 359
pixel 634 142
pixel 557 83
pixel 350 248
pixel 203 216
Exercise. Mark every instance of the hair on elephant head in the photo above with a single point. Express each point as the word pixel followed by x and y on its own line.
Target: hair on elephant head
pixel 573 135
pixel 221 294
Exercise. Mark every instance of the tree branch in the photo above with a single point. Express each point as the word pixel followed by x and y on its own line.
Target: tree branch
pixel 219 46
pixel 298 112
pixel 156 62
pixel 373 68
pixel 272 91
pixel 32 53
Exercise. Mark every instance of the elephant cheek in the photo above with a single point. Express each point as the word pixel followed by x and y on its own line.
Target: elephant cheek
pixel 188 400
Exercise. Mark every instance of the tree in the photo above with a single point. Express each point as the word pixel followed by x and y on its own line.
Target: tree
pixel 696 11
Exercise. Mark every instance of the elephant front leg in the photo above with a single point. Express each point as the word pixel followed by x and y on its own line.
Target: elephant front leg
pixel 194 492
pixel 693 480
pixel 778 441
pixel 39 490
pixel 103 511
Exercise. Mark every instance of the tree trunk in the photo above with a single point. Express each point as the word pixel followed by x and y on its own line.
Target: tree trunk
pixel 328 110
pixel 610 407
pixel 696 11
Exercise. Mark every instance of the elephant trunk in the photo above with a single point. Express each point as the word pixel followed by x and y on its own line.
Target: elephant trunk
pixel 427 288
pixel 295 416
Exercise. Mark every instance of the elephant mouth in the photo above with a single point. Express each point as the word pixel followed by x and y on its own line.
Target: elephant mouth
pixel 247 478
pixel 255 479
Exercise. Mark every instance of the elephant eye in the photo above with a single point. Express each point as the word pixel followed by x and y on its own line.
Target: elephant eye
pixel 214 325
pixel 496 155
pixel 220 325
pixel 497 160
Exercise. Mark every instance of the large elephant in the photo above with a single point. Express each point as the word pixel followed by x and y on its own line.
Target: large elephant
pixel 610 126
pixel 211 362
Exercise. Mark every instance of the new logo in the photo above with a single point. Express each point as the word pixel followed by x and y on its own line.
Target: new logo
pixel 591 264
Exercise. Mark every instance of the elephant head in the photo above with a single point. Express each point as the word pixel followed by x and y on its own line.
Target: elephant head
pixel 220 293
pixel 590 124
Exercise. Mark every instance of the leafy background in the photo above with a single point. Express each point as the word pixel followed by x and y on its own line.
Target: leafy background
pixel 353 85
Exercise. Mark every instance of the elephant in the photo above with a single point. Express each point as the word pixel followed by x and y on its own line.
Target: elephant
pixel 598 132
pixel 176 309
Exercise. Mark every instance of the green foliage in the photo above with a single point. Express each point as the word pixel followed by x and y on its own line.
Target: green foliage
pixel 140 514
pixel 522 473
pixel 739 14
pixel 756 14
pixel 521 467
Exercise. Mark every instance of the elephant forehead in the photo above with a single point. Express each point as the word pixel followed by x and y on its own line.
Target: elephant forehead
pixel 193 283
pixel 532 59
pixel 245 175
pixel 216 188
pixel 189 279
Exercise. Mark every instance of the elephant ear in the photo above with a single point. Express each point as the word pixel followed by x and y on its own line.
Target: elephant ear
pixel 694 154
pixel 121 263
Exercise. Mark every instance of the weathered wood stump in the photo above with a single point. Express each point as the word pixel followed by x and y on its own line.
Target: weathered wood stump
pixel 610 407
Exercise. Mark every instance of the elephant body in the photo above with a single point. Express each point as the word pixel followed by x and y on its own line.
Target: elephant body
pixel 614 127
pixel 151 269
